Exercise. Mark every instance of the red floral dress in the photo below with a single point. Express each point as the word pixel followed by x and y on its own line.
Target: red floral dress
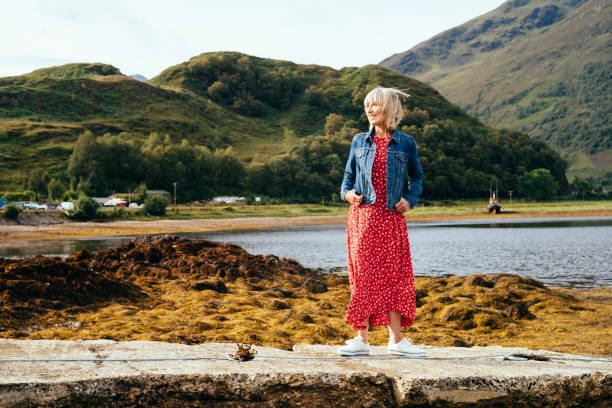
pixel 379 263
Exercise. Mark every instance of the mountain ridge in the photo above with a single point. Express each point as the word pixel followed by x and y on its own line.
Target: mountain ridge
pixel 536 66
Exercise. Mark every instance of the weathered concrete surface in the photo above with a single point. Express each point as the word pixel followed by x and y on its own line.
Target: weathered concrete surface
pixel 472 382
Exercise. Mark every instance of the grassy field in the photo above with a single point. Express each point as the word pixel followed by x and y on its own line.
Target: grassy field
pixel 457 208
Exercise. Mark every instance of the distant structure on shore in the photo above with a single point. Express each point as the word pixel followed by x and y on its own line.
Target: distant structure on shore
pixel 228 199
pixel 494 207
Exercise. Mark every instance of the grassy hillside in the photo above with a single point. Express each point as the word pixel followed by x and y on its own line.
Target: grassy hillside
pixel 537 66
pixel 290 125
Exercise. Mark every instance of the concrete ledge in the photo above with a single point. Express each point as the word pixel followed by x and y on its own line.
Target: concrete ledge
pixel 467 382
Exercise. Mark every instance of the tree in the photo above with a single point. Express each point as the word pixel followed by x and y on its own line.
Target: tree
pixel 37 181
pixel 586 188
pixel 11 212
pixel 141 193
pixel 219 91
pixel 155 205
pixel 316 96
pixel 539 184
pixel 56 189
pixel 82 161
pixel 70 195
pixel 247 105
pixel 87 209
pixel 229 174
pixel 333 124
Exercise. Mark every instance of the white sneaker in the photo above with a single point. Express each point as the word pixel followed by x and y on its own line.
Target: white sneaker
pixel 358 338
pixel 404 348
pixel 356 347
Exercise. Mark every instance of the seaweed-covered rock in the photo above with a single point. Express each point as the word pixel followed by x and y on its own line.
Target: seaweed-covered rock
pixel 33 286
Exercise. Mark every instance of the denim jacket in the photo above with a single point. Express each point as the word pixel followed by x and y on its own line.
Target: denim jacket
pixel 402 158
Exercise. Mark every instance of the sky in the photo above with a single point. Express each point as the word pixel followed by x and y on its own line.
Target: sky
pixel 146 37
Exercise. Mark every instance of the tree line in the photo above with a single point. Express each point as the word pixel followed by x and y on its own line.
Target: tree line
pixel 458 164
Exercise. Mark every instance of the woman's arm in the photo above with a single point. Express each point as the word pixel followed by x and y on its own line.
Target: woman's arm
pixel 349 172
pixel 415 187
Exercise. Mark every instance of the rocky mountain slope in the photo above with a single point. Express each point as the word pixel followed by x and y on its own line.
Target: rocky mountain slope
pixel 537 66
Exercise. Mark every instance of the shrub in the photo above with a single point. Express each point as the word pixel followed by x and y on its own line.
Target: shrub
pixel 70 195
pixel 156 205
pixel 539 184
pixel 11 212
pixel 87 209
pixel 118 212
pixel 19 195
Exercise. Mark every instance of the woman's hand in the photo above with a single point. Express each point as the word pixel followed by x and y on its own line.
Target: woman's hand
pixel 352 198
pixel 401 206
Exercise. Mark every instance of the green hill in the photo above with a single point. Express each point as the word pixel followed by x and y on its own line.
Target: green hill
pixel 289 127
pixel 538 66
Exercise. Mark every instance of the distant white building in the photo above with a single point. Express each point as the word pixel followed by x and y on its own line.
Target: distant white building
pixel 228 199
pixel 65 205
pixel 115 202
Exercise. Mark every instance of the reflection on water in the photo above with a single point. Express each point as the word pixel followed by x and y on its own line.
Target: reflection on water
pixel 569 252
pixel 62 247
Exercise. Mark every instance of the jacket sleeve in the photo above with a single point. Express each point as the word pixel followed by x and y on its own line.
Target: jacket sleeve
pixel 415 186
pixel 349 172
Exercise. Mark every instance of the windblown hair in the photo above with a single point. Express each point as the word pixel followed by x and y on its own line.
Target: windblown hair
pixel 388 99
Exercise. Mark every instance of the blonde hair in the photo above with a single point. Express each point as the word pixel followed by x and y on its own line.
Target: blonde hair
pixel 388 99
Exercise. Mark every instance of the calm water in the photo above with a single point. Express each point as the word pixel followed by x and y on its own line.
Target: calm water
pixel 558 251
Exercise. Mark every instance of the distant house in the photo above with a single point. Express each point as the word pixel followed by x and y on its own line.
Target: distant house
pixel 100 200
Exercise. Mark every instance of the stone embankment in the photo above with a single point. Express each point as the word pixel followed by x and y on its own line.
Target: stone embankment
pixel 449 377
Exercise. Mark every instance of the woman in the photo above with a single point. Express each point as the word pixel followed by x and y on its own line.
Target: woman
pixel 379 264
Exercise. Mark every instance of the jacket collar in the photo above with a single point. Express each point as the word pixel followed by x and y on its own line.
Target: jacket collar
pixel 395 137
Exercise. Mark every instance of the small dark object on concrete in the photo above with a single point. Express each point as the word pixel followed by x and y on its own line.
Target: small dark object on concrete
pixel 244 352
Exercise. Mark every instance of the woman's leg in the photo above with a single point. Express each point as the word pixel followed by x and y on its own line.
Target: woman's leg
pixel 363 333
pixel 395 321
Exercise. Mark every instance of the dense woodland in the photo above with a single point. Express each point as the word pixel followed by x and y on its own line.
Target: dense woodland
pixel 211 118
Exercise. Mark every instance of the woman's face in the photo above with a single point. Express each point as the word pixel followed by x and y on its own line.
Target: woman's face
pixel 375 114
